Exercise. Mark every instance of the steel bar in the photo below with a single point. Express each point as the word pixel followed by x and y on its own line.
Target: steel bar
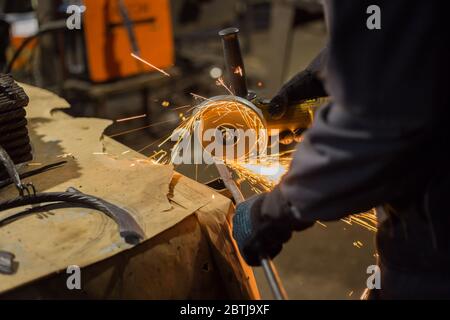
pixel 269 268
pixel 274 279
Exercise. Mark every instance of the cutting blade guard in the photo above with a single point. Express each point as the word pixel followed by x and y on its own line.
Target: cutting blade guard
pixel 233 123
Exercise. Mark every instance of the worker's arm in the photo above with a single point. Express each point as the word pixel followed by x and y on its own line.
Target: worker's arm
pixel 307 84
pixel 372 145
pixel 363 148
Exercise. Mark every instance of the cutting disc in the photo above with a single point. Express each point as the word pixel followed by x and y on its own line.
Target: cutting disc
pixel 231 127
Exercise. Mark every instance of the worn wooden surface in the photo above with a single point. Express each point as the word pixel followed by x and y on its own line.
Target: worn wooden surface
pixel 188 252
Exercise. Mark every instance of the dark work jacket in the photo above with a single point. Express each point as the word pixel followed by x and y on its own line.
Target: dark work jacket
pixel 383 140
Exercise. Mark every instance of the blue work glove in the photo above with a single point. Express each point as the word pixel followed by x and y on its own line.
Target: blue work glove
pixel 262 224
pixel 250 233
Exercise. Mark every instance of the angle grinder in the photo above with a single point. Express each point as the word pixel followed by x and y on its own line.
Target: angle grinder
pixel 245 110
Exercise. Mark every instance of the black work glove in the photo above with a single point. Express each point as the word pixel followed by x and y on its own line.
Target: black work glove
pixel 260 234
pixel 303 86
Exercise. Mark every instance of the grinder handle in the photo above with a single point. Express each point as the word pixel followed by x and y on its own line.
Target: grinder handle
pixel 234 62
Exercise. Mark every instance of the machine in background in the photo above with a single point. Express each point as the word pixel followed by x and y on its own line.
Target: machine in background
pixel 108 43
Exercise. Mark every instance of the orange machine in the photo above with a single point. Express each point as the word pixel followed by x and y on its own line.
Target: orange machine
pixel 108 46
pixel 27 52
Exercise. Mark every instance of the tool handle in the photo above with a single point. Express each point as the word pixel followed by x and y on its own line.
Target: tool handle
pixel 233 61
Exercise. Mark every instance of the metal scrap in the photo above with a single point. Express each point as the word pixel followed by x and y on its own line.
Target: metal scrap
pixel 7 264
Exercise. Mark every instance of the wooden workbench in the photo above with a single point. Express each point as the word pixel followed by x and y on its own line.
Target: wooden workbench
pixel 187 252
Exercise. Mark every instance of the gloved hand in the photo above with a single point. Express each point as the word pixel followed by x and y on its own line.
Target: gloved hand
pixel 305 85
pixel 259 234
pixel 250 233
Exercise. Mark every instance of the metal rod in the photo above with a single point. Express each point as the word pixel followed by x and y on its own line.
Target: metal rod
pixel 234 62
pixel 274 279
pixel 228 181
pixel 269 268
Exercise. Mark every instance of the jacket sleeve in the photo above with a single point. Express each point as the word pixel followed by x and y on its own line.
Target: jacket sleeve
pixel 370 144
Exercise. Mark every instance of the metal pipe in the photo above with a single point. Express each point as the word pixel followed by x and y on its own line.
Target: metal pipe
pixel 234 62
pixel 269 268
pixel 274 279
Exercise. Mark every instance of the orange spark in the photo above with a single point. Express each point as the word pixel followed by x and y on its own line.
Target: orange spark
pixel 131 118
pixel 31 164
pixel 150 65
pixel 65 155
pixel 140 128
pixel 321 224
pixel 220 82
pixel 239 71
pixel 196 96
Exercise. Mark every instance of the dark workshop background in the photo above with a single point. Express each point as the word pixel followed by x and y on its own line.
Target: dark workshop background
pixel 278 39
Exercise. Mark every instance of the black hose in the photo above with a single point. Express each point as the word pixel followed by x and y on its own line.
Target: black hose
pixel 128 227
pixel 7 182
pixel 45 28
